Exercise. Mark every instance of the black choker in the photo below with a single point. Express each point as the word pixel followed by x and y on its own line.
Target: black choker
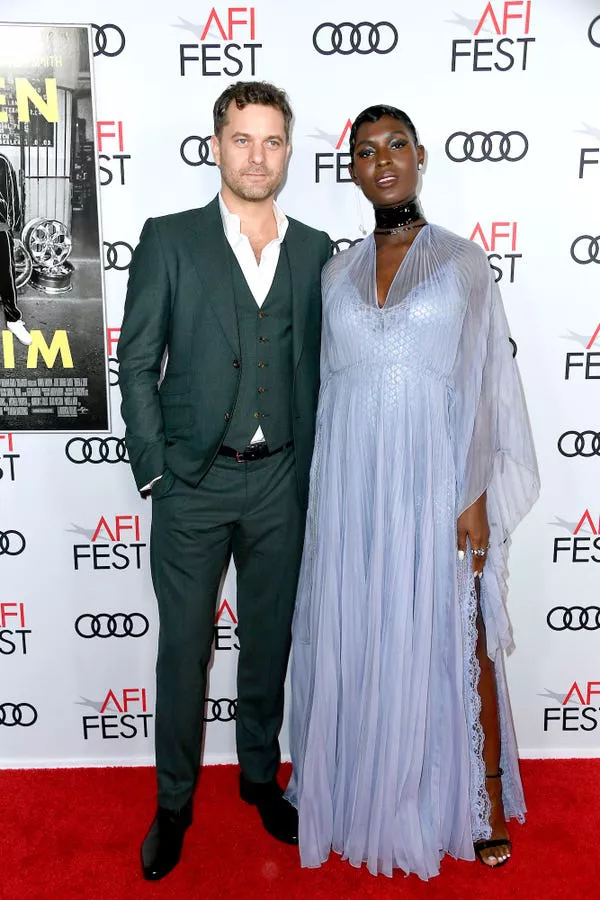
pixel 390 218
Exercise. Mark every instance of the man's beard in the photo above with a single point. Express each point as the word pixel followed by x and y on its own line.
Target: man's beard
pixel 245 190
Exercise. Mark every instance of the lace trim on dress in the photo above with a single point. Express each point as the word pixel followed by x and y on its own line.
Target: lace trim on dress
pixel 480 801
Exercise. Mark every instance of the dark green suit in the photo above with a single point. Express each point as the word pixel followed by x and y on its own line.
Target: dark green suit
pixel 182 298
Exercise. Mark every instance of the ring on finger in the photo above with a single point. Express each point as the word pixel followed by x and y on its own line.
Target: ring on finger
pixel 480 551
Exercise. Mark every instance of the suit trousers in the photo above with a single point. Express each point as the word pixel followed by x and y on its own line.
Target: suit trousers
pixel 250 511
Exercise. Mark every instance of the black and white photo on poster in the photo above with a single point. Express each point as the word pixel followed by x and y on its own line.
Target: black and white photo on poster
pixel 53 366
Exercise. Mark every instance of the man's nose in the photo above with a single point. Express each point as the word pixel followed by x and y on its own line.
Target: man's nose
pixel 257 152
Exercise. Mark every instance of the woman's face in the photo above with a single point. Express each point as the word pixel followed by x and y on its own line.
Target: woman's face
pixel 385 163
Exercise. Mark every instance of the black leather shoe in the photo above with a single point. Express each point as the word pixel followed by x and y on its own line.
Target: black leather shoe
pixel 162 845
pixel 278 816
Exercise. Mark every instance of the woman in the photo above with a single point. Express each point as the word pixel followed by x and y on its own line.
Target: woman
pixel 401 734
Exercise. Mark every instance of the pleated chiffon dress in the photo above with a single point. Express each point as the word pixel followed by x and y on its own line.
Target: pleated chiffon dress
pixel 421 410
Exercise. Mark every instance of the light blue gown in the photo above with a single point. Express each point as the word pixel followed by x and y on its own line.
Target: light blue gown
pixel 420 411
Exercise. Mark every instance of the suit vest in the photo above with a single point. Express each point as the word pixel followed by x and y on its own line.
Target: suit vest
pixel 267 376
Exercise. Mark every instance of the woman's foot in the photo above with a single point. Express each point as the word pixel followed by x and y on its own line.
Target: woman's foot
pixel 497 849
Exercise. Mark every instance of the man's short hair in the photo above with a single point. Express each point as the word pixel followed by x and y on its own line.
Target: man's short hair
pixel 243 93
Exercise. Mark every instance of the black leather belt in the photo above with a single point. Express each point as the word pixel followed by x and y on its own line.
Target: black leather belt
pixel 250 454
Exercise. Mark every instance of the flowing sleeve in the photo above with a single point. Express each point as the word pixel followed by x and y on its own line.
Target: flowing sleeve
pixel 493 441
pixel 330 272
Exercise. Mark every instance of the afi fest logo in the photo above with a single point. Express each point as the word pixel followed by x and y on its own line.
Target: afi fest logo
pixel 112 339
pixel 508 25
pixel 111 151
pixel 226 44
pixel 333 164
pixel 122 714
pixel 499 240
pixel 583 364
pixel 113 544
pixel 588 156
pixel 578 710
pixel 8 458
pixel 226 632
pixel 14 632
pixel 583 542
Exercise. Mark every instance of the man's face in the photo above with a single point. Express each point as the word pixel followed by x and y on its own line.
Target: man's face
pixel 252 151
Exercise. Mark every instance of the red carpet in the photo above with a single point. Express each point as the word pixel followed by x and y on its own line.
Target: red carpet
pixel 75 833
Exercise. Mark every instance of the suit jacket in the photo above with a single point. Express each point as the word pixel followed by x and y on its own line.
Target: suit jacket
pixel 180 299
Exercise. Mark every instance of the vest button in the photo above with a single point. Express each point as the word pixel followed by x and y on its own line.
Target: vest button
pixel 261 364
pixel 236 364
pixel 261 314
pixel 227 417
pixel 262 390
pixel 257 415
pixel 263 340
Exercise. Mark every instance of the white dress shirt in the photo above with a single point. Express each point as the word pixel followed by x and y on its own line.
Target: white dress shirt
pixel 259 275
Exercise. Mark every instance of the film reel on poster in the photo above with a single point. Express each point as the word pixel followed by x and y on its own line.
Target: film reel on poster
pixel 53 375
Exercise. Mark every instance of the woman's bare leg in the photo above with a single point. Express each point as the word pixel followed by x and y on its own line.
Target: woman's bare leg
pixel 491 747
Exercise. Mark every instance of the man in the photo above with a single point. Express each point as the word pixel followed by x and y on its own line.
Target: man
pixel 231 292
pixel 10 224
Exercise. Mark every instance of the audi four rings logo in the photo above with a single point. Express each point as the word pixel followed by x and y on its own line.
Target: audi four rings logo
pixel 106 625
pixel 222 710
pixel 344 244
pixel 593 33
pixel 347 38
pixel 591 246
pixel 95 450
pixel 195 151
pixel 11 543
pixel 579 443
pixel 18 714
pixel 109 40
pixel 574 618
pixel 117 256
pixel 479 146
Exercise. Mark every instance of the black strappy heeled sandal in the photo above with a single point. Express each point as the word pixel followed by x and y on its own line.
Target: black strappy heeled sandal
pixel 493 842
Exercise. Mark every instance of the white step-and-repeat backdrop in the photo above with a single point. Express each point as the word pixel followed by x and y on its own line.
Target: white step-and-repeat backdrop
pixel 504 95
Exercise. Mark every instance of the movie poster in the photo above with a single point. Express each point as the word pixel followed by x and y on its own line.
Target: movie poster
pixel 53 366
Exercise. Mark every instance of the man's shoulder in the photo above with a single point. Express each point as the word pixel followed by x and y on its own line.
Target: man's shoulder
pixel 306 232
pixel 184 218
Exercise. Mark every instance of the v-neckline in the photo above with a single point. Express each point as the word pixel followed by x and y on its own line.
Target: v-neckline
pixel 381 307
